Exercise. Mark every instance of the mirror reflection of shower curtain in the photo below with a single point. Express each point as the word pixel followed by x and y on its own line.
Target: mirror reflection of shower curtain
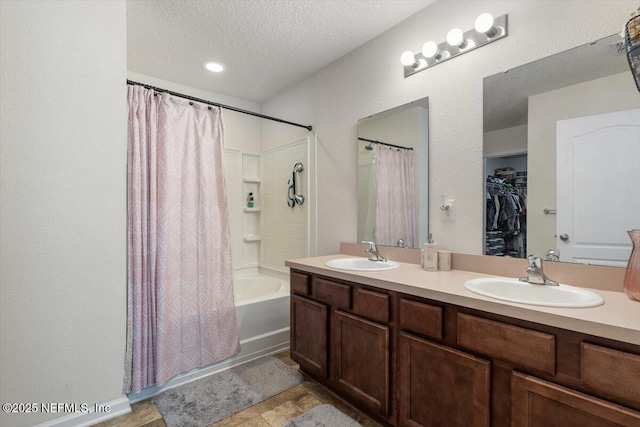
pixel 395 197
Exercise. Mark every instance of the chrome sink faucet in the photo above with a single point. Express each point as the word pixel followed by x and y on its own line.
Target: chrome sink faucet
pixel 535 274
pixel 553 255
pixel 373 253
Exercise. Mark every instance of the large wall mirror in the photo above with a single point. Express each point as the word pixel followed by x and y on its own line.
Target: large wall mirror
pixel 562 157
pixel 393 176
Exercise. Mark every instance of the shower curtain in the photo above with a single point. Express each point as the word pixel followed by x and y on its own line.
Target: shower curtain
pixel 395 197
pixel 180 304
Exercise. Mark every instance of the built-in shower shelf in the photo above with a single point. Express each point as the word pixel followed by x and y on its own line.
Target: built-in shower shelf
pixel 252 209
pixel 252 180
pixel 251 239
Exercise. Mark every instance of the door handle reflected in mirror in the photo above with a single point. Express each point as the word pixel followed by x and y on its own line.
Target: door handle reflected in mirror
pixel 564 237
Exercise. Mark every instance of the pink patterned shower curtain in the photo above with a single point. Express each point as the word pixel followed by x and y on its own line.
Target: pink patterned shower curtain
pixel 180 304
pixel 395 197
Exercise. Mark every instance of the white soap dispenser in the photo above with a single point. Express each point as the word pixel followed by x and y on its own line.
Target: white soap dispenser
pixel 430 255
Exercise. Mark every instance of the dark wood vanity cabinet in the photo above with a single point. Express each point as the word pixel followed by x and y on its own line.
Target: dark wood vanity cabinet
pixel 535 402
pixel 409 361
pixel 340 335
pixel 361 361
pixel 309 323
pixel 441 386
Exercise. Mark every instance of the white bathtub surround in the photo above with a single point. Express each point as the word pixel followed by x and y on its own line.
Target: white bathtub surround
pixel 181 313
pixel 233 174
pixel 243 177
pixel 286 231
pixel 270 232
pixel 263 322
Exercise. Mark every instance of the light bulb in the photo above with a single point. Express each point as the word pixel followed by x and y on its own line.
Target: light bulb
pixel 455 37
pixel 408 59
pixel 484 24
pixel 213 66
pixel 430 50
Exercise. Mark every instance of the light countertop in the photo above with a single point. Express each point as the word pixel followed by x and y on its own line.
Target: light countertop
pixel 618 318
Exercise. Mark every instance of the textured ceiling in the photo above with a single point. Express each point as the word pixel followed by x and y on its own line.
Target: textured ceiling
pixel 266 46
pixel 506 94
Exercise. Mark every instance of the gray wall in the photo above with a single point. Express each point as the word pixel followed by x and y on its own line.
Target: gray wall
pixel 63 203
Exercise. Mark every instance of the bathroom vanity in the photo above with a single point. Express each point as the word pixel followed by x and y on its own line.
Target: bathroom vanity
pixel 414 348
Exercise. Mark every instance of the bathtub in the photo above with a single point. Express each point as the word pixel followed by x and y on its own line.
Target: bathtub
pixel 262 310
pixel 252 289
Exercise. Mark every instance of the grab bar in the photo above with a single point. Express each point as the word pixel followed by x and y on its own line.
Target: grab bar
pixel 293 197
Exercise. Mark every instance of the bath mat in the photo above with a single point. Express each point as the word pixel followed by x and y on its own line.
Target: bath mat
pixel 207 400
pixel 323 416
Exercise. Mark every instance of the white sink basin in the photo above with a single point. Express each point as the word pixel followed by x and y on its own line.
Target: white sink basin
pixel 526 293
pixel 361 264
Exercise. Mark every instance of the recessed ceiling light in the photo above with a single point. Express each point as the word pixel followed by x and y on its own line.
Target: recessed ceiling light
pixel 215 67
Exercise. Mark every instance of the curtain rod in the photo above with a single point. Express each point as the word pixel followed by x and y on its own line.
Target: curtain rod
pixel 385 143
pixel 216 104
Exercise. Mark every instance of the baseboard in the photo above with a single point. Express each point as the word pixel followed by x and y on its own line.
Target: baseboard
pixel 117 407
pixel 251 348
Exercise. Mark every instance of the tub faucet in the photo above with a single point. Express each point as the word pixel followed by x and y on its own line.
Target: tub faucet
pixel 535 275
pixel 373 253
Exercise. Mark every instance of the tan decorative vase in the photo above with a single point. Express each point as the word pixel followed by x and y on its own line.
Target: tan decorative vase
pixel 632 278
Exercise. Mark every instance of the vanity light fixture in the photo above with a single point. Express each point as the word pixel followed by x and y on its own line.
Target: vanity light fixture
pixel 430 50
pixel 484 24
pixel 455 38
pixel 214 67
pixel 408 59
pixel 486 30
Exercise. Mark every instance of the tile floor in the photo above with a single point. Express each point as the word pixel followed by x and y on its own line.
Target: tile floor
pixel 273 412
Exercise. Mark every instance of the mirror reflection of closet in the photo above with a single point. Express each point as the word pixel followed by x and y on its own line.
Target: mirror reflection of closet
pixel 403 132
pixel 562 158
pixel 506 193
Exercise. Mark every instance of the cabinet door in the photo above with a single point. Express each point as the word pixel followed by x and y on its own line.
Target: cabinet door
pixel 535 402
pixel 361 351
pixel 440 386
pixel 309 323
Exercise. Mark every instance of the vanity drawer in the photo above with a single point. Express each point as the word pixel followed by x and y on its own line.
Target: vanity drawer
pixel 610 372
pixel 371 305
pixel 520 346
pixel 300 283
pixel 332 293
pixel 422 318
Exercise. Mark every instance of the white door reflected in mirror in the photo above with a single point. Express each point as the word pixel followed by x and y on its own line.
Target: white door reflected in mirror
pixel 595 205
pixel 561 168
